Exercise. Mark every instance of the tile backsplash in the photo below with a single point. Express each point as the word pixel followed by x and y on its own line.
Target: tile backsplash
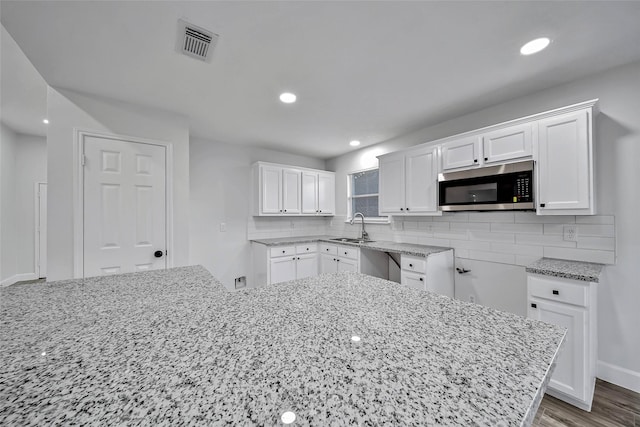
pixel 517 238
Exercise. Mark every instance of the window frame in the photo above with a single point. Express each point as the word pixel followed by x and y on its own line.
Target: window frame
pixel 368 220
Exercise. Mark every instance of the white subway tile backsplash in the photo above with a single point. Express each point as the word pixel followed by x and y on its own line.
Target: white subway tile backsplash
pixel 493 257
pixel 595 219
pixel 482 226
pixel 431 241
pixel 410 225
pixel 492 237
pixel 517 249
pixel 491 216
pixel 588 255
pixel 554 228
pixel 601 243
pixel 516 228
pixel 596 230
pixel 531 217
pixel 452 234
pixel 452 217
pixel 461 253
pixel 544 240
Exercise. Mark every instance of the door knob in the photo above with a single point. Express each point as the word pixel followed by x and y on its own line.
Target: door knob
pixel 158 254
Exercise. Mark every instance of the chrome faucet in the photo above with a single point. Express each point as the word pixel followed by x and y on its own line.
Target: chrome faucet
pixel 364 235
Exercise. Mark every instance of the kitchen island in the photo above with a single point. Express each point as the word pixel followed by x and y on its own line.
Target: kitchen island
pixel 173 347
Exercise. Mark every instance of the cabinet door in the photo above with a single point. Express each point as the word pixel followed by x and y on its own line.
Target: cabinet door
pixel 513 142
pixel 565 179
pixel 570 372
pixel 309 192
pixel 326 193
pixel 282 269
pixel 346 264
pixel 270 190
pixel 328 263
pixel 421 186
pixel 461 153
pixel 412 280
pixel 291 191
pixel 306 266
pixel 391 188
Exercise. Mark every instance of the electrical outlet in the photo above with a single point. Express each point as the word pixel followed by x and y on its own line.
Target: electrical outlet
pixel 472 298
pixel 223 227
pixel 240 282
pixel 570 233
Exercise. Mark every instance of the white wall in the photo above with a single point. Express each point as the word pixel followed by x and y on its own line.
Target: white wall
pixel 8 235
pixel 617 151
pixel 67 111
pixel 221 193
pixel 31 167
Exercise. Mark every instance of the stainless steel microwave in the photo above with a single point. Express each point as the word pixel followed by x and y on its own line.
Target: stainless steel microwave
pixel 494 188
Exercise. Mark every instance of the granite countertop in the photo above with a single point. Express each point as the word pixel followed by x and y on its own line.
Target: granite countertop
pixel 377 245
pixel 577 270
pixel 173 348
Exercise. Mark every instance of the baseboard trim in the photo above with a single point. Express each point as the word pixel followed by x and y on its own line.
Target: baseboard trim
pixel 17 278
pixel 619 376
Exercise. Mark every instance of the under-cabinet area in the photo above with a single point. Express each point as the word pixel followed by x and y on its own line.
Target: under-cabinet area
pixel 422 267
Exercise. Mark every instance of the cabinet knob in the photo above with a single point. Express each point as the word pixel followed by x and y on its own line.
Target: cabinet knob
pixel 307 248
pixel 542 205
pixel 320 210
pixel 401 209
pixel 407 208
pixel 298 257
pixel 285 210
pixel 555 292
pixel 338 259
pixel 345 253
pixel 486 158
pixel 534 305
pixel 475 160
pixel 410 265
pixel 421 279
pixel 284 251
pixel 327 249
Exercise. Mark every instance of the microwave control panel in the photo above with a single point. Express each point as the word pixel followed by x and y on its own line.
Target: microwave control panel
pixel 522 188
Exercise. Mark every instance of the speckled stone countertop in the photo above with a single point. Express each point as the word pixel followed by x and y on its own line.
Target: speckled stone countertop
pixel 377 245
pixel 577 270
pixel 173 348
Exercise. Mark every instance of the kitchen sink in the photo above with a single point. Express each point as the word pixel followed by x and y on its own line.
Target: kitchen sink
pixel 350 240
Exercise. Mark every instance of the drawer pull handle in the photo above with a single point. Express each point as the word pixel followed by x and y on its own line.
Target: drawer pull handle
pixel 556 292
pixel 462 270
pixel 534 306
pixel 542 205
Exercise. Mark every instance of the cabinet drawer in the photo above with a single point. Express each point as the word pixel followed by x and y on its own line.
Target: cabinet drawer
pixel 306 249
pixel 346 252
pixel 282 251
pixel 328 249
pixel 413 280
pixel 409 263
pixel 557 290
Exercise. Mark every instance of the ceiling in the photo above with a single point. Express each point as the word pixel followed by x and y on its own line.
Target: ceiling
pixel 362 70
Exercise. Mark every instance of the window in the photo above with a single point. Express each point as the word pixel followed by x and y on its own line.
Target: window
pixel 362 191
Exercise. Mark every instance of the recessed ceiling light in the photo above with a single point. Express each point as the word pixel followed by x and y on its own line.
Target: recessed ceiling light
pixel 355 338
pixel 288 417
pixel 45 121
pixel 288 97
pixel 354 143
pixel 535 46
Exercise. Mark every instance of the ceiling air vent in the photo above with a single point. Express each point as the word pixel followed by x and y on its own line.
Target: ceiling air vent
pixel 195 41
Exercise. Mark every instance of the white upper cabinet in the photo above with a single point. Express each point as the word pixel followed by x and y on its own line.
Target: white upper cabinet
pixel 409 182
pixel 318 193
pixel 283 190
pixel 461 153
pixel 391 188
pixel 326 193
pixel 513 142
pixel 565 164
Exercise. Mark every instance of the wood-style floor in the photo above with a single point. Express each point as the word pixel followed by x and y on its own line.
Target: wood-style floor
pixel 612 406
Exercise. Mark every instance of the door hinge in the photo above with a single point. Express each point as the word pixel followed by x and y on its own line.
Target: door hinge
pixel 83 160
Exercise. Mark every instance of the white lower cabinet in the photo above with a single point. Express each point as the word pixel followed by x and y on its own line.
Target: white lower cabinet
pixel 572 305
pixel 292 262
pixel 432 273
pixel 334 258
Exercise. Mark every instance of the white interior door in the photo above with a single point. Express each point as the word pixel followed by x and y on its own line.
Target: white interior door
pixel 42 230
pixel 124 206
